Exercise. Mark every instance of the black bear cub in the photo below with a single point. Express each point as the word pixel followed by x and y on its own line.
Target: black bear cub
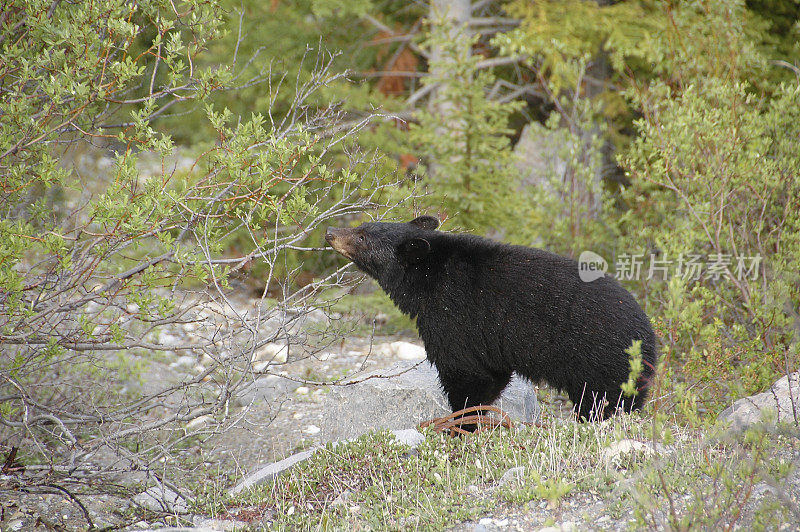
pixel 486 309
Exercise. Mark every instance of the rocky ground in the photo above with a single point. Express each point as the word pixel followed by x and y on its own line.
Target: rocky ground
pixel 277 416
pixel 284 415
pixel 280 416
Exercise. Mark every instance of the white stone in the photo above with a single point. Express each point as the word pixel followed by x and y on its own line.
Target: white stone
pixel 612 455
pixel 223 525
pixel 271 471
pixel 184 361
pixel 166 338
pixel 312 429
pixel 161 499
pixel 199 422
pixel 410 437
pixel 402 396
pixel 512 475
pixel 407 351
pixel 566 526
pixel 782 400
pixel 273 353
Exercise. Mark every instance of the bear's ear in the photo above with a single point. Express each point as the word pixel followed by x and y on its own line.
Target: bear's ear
pixel 425 222
pixel 415 250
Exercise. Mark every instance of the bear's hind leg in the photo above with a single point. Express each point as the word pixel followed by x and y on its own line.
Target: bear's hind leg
pixel 598 406
pixel 589 405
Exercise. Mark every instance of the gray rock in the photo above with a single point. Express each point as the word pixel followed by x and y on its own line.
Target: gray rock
pixel 566 526
pixel 272 352
pixel 185 361
pixel 407 351
pixel 160 498
pixel 615 454
pixel 183 529
pixel 761 489
pixel 519 401
pixel 512 475
pixel 537 156
pixel 219 524
pixel 271 471
pixel 410 437
pixel 782 400
pixel 401 397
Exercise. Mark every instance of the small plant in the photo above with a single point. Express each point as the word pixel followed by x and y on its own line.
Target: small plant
pixel 635 356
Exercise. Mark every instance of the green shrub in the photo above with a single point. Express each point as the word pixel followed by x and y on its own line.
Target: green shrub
pixel 130 255
pixel 714 170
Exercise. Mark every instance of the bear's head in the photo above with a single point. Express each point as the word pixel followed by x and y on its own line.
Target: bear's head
pixel 379 248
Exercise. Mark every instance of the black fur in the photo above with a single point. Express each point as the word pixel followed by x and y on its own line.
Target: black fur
pixel 486 309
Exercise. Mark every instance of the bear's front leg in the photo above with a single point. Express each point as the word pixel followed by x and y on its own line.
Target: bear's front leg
pixel 466 388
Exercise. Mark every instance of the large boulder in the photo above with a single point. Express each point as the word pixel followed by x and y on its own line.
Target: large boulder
pixel 537 156
pixel 401 397
pixel 782 400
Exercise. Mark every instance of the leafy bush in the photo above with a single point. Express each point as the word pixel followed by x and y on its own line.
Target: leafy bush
pixel 714 168
pixel 94 285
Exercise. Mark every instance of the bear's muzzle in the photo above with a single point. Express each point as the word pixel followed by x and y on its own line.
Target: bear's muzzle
pixel 339 238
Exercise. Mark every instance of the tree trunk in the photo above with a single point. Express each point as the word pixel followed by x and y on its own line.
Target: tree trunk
pixel 454 15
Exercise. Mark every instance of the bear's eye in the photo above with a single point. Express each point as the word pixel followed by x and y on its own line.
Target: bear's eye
pixel 361 238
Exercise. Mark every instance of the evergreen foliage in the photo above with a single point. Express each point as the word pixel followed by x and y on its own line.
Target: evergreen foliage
pixel 715 161
pixel 701 105
pixel 465 135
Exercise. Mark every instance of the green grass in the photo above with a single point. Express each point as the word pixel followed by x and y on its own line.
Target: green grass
pixel 376 483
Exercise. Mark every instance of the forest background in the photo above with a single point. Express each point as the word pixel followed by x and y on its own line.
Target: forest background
pixel 662 136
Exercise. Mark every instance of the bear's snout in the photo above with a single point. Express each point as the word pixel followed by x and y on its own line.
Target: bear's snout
pixel 330 235
pixel 338 241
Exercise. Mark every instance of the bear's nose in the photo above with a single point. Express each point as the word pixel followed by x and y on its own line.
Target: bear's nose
pixel 330 235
